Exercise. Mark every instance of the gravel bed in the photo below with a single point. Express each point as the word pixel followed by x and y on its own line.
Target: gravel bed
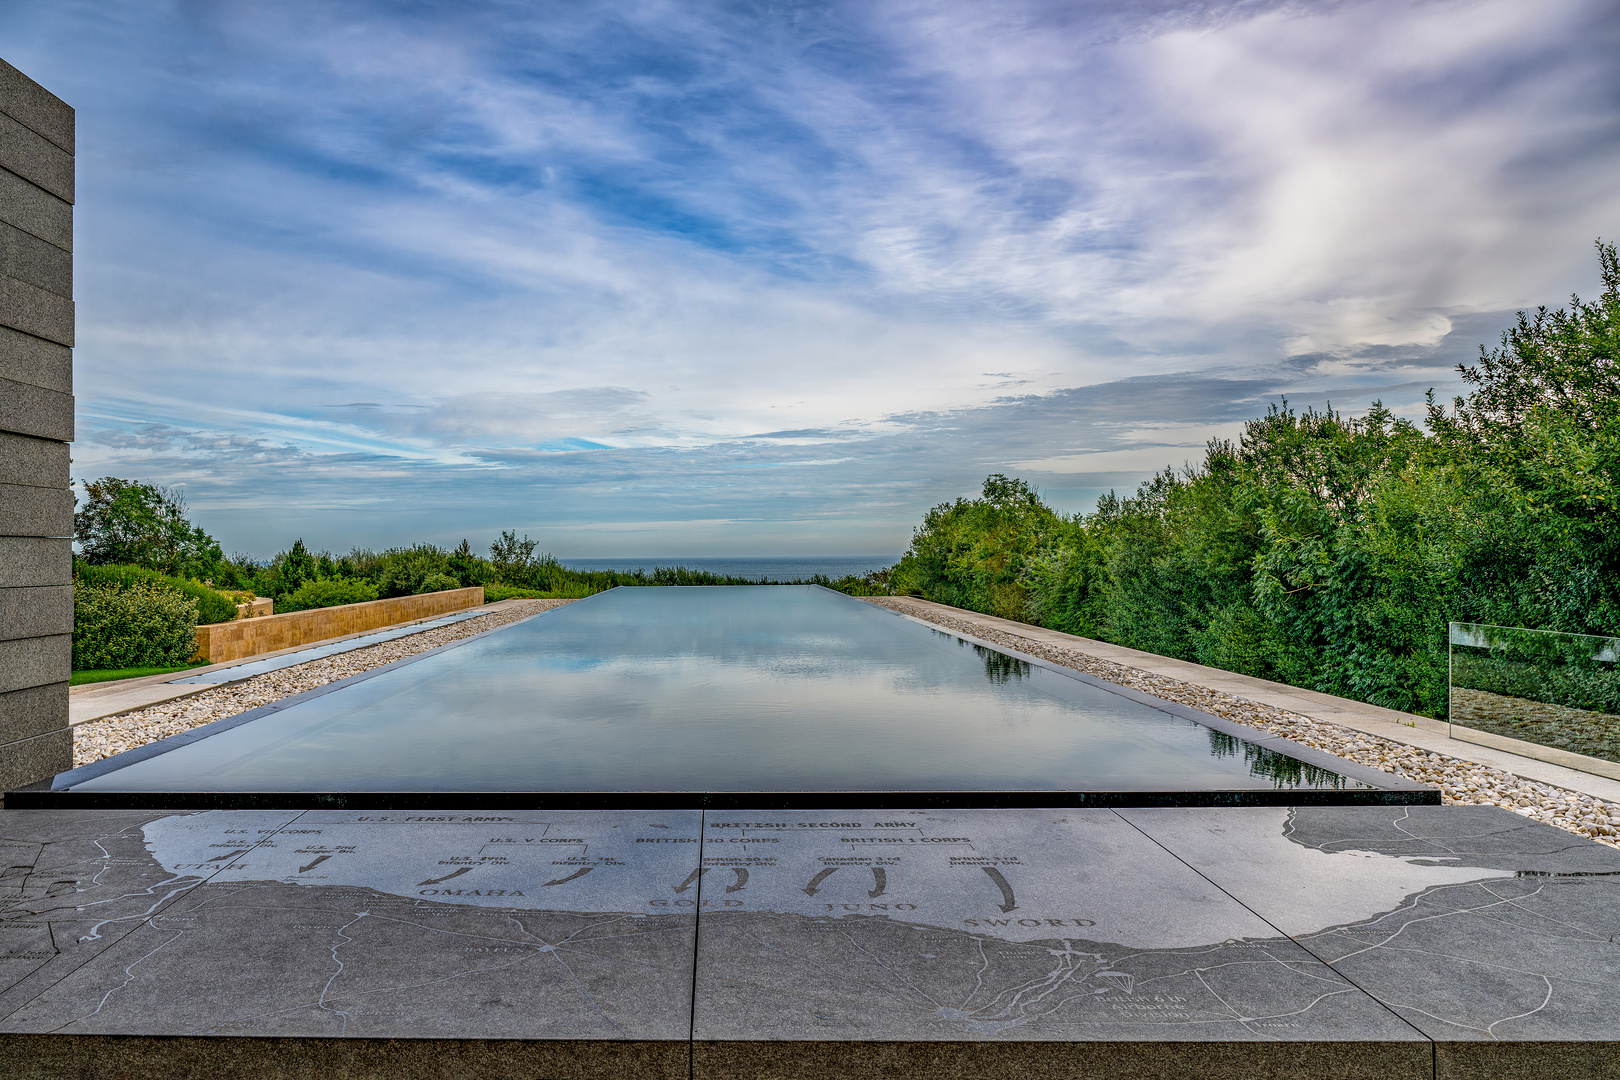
pixel 1459 781
pixel 97 739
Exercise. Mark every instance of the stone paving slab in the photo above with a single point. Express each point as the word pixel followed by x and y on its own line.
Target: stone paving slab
pixel 1008 925
pixel 1510 940
pixel 1368 942
pixel 560 926
pixel 74 884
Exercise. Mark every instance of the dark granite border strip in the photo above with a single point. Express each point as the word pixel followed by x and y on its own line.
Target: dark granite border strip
pixel 42 797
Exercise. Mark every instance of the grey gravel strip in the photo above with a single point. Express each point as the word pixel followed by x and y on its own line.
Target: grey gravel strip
pixel 97 739
pixel 1460 782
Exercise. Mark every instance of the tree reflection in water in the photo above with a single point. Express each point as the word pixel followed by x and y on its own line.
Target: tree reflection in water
pixel 1281 769
pixel 1000 668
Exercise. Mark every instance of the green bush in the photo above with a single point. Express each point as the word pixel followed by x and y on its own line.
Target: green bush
pixel 974 553
pixel 406 571
pixel 212 606
pixel 494 594
pixel 133 624
pixel 438 583
pixel 874 584
pixel 327 592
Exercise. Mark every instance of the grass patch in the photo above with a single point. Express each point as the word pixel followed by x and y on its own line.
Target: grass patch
pixel 494 594
pixel 95 675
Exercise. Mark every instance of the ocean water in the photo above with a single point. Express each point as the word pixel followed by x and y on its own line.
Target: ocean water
pixel 757 568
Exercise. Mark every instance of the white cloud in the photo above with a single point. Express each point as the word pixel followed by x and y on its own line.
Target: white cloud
pixel 669 228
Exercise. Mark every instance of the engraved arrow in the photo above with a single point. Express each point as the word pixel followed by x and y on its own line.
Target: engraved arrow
pixel 880 878
pixel 742 879
pixel 447 877
pixel 318 860
pixel 228 855
pixel 576 874
pixel 810 889
pixel 1007 901
pixel 693 876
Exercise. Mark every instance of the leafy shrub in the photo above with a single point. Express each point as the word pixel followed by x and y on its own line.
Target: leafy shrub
pixel 405 571
pixel 132 624
pixel 494 594
pixel 974 552
pixel 212 606
pixel 327 592
pixel 438 583
pixel 467 568
pixel 874 584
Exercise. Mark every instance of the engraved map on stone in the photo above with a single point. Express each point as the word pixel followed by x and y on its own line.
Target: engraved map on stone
pixel 472 925
pixel 1027 924
pixel 997 924
pixel 1022 875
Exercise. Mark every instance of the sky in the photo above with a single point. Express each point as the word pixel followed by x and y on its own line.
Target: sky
pixel 772 278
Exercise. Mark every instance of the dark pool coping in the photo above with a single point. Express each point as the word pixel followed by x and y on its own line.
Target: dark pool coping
pixel 46 799
pixel 1384 788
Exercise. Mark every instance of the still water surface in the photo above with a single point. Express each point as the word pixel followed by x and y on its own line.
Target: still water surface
pixel 747 688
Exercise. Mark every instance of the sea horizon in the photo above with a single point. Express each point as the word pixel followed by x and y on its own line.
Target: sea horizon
pixel 759 567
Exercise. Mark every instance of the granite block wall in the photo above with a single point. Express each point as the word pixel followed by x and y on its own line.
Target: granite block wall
pixel 36 425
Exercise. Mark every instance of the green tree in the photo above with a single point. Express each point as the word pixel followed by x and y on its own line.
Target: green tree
pixel 1536 447
pixel 298 567
pixel 467 568
pixel 126 521
pixel 509 553
pixel 974 551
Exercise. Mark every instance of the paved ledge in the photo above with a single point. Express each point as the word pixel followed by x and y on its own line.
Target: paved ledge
pixel 1376 943
pixel 96 701
pixel 1509 755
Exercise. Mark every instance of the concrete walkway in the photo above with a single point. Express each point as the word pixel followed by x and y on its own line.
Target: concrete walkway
pixel 96 701
pixel 1406 728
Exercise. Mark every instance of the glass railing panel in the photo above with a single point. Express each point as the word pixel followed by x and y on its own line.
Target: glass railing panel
pixel 1539 686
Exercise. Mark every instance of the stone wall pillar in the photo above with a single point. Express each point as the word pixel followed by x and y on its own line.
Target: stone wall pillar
pixel 36 424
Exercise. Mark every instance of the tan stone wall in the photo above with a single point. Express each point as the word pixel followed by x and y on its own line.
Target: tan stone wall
pixel 220 642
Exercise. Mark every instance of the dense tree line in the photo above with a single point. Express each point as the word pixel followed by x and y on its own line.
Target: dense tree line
pixel 128 530
pixel 1330 551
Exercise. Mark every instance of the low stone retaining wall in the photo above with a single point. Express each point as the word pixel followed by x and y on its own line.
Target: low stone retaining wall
pixel 219 642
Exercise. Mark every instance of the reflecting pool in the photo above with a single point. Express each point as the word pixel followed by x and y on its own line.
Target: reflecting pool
pixel 728 689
